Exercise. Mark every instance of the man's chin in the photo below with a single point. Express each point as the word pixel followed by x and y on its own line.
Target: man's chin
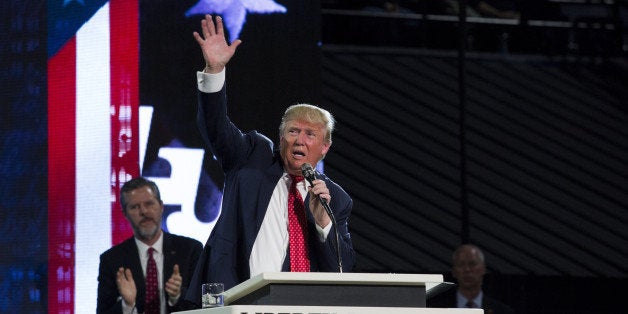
pixel 468 284
pixel 148 233
pixel 296 164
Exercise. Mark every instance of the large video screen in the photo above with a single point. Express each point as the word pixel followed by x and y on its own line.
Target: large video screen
pixel 98 92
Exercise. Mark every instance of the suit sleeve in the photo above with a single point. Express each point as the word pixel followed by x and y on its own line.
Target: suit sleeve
pixel 226 142
pixel 107 290
pixel 341 205
pixel 187 264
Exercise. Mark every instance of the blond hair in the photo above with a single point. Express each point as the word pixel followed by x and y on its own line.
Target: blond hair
pixel 311 114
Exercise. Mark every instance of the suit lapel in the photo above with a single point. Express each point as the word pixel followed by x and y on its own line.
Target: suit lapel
pixel 170 253
pixel 267 185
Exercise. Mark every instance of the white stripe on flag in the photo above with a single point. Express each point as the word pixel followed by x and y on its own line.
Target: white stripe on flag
pixel 93 156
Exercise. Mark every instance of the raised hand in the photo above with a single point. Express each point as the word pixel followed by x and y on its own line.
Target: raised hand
pixel 173 285
pixel 216 51
pixel 126 286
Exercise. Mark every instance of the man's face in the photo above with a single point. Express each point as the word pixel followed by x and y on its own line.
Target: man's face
pixel 302 142
pixel 143 210
pixel 468 268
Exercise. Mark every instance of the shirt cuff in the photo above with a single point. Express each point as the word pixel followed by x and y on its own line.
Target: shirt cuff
pixel 323 232
pixel 173 300
pixel 127 309
pixel 210 83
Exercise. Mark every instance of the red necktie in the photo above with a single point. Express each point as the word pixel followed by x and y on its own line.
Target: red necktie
pixel 152 305
pixel 297 227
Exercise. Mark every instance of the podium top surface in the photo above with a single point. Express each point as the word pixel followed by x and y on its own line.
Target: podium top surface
pixel 244 309
pixel 427 280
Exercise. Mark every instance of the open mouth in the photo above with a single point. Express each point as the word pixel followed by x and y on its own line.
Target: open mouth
pixel 298 154
pixel 146 221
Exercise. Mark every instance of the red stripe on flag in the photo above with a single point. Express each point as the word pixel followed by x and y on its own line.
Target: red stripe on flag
pixel 124 30
pixel 61 178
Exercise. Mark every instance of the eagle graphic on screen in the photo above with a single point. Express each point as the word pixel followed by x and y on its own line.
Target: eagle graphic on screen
pixel 234 12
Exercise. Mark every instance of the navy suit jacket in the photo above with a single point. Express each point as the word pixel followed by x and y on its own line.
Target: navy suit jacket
pixel 252 169
pixel 177 249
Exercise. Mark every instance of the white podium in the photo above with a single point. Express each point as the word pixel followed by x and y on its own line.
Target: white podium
pixel 277 309
pixel 334 289
pixel 337 293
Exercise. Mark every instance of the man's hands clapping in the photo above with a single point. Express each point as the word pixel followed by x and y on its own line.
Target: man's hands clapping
pixel 128 290
pixel 126 286
pixel 173 285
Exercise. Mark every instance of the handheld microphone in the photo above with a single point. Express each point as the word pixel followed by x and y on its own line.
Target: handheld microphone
pixel 310 175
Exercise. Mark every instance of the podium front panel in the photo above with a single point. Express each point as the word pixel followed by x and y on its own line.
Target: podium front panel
pixel 334 289
pixel 335 295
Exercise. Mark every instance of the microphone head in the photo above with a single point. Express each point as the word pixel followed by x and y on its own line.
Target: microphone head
pixel 308 172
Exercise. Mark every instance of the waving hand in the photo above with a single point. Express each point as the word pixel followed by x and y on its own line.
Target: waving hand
pixel 216 51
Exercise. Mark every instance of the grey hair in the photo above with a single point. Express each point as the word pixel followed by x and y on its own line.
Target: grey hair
pixel 471 246
pixel 136 183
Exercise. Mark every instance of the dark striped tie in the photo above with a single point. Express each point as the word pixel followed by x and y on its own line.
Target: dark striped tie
pixel 297 229
pixel 152 292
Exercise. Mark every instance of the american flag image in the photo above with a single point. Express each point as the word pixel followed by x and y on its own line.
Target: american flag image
pixel 93 101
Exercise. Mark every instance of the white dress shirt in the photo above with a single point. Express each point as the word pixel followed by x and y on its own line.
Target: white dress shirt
pixel 461 301
pixel 158 255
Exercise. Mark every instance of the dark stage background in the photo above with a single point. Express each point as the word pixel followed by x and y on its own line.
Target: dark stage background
pixel 545 153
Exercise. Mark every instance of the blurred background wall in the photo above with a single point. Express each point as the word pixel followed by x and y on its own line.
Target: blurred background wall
pixel 505 128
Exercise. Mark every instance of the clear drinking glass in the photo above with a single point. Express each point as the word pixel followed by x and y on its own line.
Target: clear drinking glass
pixel 212 294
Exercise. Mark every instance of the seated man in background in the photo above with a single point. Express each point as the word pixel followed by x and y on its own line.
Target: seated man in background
pixel 149 272
pixel 469 268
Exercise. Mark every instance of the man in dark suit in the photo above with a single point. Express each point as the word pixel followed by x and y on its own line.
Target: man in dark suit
pixel 252 233
pixel 123 268
pixel 468 268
